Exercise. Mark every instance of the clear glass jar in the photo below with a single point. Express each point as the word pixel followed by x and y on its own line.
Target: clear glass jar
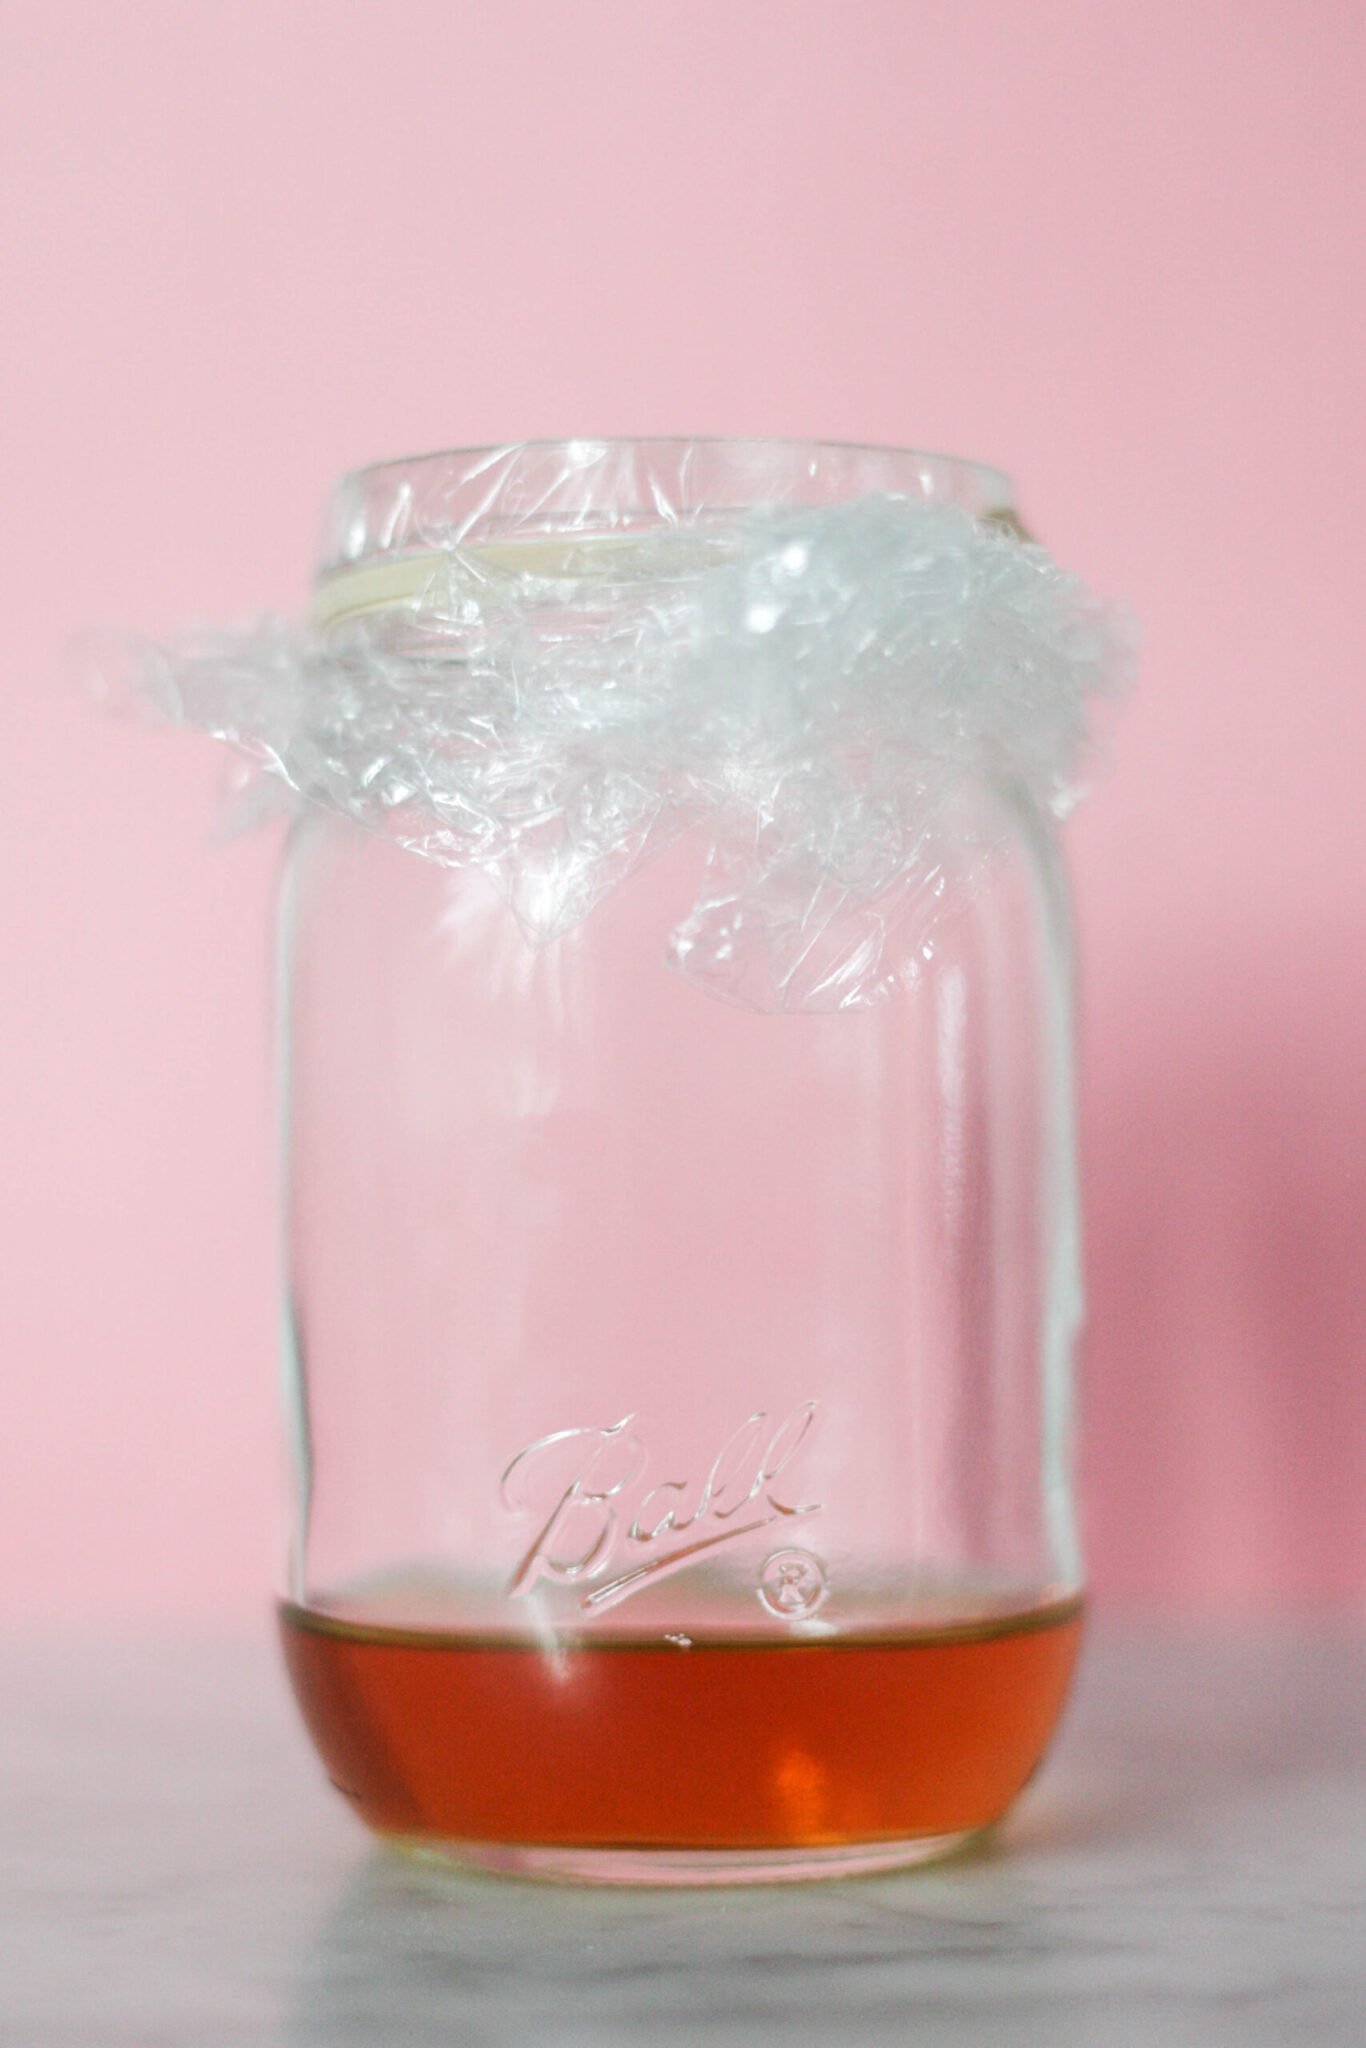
pixel 681 1392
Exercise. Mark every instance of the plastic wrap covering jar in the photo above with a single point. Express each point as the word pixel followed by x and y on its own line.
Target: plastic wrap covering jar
pixel 678 1351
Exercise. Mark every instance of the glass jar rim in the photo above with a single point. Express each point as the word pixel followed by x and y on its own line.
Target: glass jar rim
pixel 621 486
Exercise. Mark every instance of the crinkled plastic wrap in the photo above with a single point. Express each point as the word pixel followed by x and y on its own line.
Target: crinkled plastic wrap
pixel 549 674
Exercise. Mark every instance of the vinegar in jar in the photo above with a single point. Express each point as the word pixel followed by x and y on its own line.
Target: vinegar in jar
pixel 738 1743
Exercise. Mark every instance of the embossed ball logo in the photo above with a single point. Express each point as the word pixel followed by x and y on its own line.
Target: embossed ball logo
pixel 792 1584
pixel 600 1525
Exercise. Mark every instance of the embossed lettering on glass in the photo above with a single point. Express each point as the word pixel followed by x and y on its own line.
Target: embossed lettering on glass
pixel 681 1225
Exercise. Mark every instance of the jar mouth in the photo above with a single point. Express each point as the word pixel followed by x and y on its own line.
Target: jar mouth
pixel 529 492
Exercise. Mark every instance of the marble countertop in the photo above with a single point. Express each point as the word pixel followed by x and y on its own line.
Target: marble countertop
pixel 1189 1869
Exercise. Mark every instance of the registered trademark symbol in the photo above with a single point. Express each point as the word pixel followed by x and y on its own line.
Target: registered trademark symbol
pixel 792 1584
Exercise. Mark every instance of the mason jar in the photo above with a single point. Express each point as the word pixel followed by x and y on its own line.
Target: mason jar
pixel 677 1345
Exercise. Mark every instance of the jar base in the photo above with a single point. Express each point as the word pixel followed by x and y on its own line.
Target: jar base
pixel 684 1867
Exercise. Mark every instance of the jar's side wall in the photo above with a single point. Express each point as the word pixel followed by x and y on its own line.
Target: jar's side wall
pixel 534 1195
pixel 293 1381
pixel 1064 1290
pixel 1002 991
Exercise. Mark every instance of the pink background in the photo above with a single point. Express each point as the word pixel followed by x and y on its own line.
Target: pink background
pixel 1115 249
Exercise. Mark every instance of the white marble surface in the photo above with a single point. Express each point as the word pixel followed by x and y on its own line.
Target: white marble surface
pixel 1190 1869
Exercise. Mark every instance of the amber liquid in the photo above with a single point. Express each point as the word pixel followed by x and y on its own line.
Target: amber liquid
pixel 734 1743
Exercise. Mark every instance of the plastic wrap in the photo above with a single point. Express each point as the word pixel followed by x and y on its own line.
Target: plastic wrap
pixel 552 670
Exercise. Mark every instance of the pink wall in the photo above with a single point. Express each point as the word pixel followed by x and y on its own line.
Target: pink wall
pixel 1112 248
